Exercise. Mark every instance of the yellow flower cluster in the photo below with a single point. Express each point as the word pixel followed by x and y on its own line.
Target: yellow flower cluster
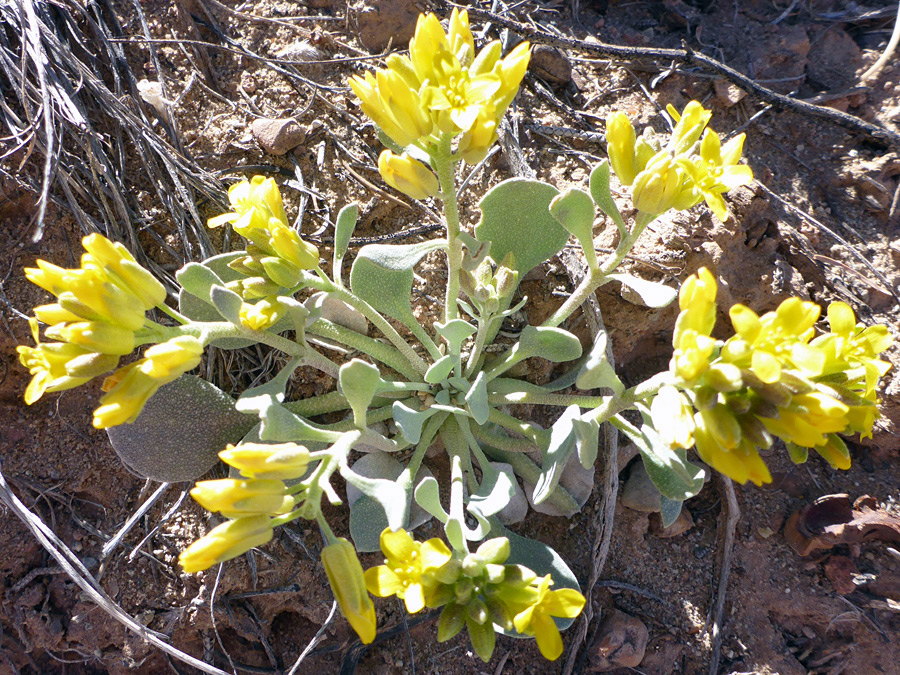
pixel 476 590
pixel 99 308
pixel 248 501
pixel 442 87
pixel 774 377
pixel 276 254
pixel 677 176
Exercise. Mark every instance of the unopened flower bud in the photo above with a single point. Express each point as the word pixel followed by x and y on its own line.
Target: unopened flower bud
pixel 407 175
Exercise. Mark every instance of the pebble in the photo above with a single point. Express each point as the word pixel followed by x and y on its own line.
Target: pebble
pixel 682 524
pixel 639 493
pixel 551 65
pixel 277 136
pixel 621 642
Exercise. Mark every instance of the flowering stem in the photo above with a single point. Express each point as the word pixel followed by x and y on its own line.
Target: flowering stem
pixel 387 329
pixel 598 276
pixel 443 165
pixel 171 312
pixel 377 350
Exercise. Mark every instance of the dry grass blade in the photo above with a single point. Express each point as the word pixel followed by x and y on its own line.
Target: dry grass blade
pixel 58 103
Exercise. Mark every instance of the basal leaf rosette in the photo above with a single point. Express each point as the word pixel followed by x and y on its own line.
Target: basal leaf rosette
pixel 773 378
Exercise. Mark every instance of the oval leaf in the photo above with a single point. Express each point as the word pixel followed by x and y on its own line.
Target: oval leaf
pixel 651 293
pixel 179 433
pixel 515 218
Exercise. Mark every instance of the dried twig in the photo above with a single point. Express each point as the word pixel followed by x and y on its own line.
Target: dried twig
pixel 689 56
pixel 731 514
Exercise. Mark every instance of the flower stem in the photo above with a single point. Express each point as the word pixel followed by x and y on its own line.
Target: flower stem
pixel 600 275
pixel 443 165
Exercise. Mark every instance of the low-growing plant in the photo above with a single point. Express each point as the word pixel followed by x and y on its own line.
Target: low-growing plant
pixel 449 387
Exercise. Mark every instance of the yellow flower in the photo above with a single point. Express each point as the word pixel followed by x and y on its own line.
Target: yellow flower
pixel 284 461
pixel 125 271
pixel 348 584
pixel 620 142
pixel 777 339
pixel 443 86
pixel 227 541
pixel 657 188
pixel 688 128
pixel 89 294
pixel 673 417
pixel 537 620
pixel 254 203
pixel 740 463
pixel 285 243
pixel 408 568
pixel 407 175
pixel 47 363
pixel 716 170
pixel 236 498
pixel 852 345
pixel 264 314
pixel 95 336
pixel 129 388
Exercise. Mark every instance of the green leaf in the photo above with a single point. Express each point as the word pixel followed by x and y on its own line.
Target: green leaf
pixel 597 370
pixel 359 381
pixel 179 433
pixel 277 423
pixel 199 307
pixel 410 421
pixel 428 496
pixel 343 229
pixel 384 504
pixel 474 251
pixel 516 219
pixel 562 443
pixel 653 294
pixel 587 441
pixel 553 344
pixel 675 477
pixel 455 332
pixel 227 303
pixel 599 184
pixel 477 399
pixel 495 492
pixel 382 275
pixel 669 510
pixel 440 369
pixel 198 280
pixel 574 210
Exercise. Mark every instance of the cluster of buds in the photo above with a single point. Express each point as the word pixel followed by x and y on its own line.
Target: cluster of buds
pixel 248 501
pixel 276 254
pixel 774 378
pixel 476 590
pixel 100 316
pixel 489 286
pixel 442 87
pixel 681 174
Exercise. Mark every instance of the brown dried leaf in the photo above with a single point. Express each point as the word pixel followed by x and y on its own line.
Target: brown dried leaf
pixel 833 520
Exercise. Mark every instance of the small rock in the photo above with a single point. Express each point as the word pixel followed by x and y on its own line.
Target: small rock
pixel 682 524
pixel 277 136
pixel 248 82
pixel 662 654
pixel 728 93
pixel 384 22
pixel 620 642
pixel 551 65
pixel 628 451
pixel 639 493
